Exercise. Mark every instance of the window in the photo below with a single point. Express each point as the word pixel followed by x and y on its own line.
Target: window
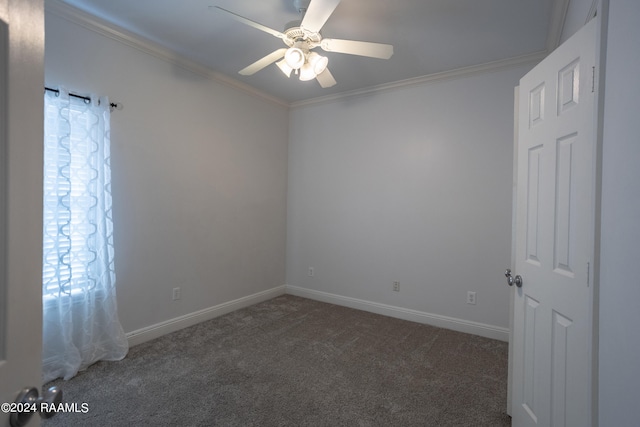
pixel 73 210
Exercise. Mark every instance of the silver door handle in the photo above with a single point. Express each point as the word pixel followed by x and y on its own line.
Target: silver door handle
pixel 28 402
pixel 511 280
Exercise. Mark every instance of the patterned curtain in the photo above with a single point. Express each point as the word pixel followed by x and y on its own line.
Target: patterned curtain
pixel 80 323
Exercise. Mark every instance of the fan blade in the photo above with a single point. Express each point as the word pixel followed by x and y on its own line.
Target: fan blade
pixel 326 79
pixel 317 14
pixel 261 63
pixel 253 24
pixel 352 47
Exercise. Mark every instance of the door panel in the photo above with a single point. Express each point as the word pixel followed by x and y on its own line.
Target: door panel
pixel 530 386
pixel 559 359
pixel 552 329
pixel 533 197
pixel 565 209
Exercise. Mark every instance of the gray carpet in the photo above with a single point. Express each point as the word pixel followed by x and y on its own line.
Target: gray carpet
pixel 293 361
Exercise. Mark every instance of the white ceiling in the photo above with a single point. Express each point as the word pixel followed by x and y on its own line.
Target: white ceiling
pixel 429 36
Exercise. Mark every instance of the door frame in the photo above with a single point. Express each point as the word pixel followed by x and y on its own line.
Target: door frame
pixel 514 192
pixel 22 151
pixel 4 55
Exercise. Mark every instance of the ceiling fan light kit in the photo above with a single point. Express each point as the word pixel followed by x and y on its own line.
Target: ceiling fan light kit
pixel 294 57
pixel 303 36
pixel 318 62
pixel 307 73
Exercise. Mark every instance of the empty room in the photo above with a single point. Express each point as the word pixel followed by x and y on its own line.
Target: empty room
pixel 319 212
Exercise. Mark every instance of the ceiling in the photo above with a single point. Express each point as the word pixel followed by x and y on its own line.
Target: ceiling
pixel 429 36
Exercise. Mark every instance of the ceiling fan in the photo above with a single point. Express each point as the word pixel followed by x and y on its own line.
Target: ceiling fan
pixel 301 37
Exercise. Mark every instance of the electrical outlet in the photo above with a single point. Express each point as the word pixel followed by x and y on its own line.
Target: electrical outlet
pixel 471 297
pixel 176 293
pixel 311 272
pixel 396 286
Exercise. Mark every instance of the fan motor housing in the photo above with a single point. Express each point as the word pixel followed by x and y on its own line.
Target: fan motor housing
pixel 295 33
pixel 292 26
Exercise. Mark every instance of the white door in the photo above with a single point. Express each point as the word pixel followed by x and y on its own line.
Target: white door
pixel 21 141
pixel 552 330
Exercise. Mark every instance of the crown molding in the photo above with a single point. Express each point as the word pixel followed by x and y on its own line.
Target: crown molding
pixel 135 41
pixel 532 59
pixel 593 11
pixel 121 35
pixel 556 23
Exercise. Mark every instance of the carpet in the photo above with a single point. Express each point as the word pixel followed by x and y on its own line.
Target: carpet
pixel 292 361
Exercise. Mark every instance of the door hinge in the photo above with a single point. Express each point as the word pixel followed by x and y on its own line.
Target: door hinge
pixel 588 273
pixel 593 79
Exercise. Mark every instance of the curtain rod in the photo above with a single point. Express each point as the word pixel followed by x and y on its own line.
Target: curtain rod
pixel 113 105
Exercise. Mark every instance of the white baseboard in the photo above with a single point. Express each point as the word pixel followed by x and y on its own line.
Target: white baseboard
pixel 159 329
pixel 460 325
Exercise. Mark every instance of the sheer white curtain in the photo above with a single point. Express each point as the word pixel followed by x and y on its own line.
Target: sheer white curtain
pixel 80 322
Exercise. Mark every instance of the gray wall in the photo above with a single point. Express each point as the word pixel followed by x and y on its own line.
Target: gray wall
pixel 199 177
pixel 410 185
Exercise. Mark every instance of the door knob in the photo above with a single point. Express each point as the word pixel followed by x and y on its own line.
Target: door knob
pixel 513 280
pixel 28 402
